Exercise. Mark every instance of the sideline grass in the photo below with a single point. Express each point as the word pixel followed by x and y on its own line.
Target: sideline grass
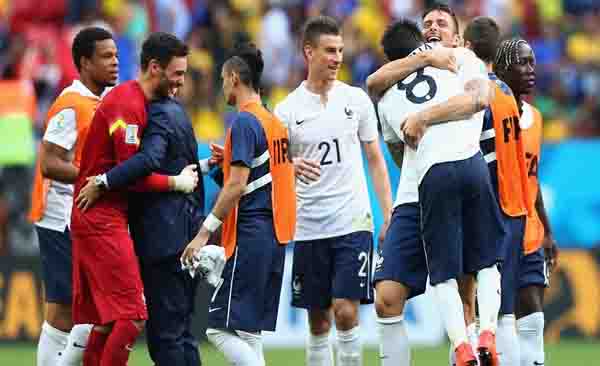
pixel 565 353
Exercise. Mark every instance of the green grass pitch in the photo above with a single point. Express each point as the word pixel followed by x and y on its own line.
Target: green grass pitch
pixel 565 353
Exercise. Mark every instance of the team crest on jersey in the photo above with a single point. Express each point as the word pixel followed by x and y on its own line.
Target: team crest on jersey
pixel 349 112
pixel 131 135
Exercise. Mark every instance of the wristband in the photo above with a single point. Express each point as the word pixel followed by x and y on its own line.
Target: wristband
pixel 204 166
pixel 211 223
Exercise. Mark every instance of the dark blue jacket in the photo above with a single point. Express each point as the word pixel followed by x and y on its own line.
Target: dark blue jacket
pixel 162 224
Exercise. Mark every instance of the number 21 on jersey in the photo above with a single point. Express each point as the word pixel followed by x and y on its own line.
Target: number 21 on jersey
pixel 329 157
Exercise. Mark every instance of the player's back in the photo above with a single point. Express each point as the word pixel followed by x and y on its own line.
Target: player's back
pixel 391 122
pixel 113 133
pixel 430 86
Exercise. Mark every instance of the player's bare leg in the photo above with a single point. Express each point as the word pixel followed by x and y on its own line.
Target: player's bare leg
pixel 319 351
pixel 393 340
pixel 530 325
pixel 349 348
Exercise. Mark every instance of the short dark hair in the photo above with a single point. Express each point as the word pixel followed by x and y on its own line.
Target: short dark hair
pixel 446 9
pixel 317 26
pixel 401 38
pixel 246 60
pixel 162 47
pixel 484 35
pixel 84 43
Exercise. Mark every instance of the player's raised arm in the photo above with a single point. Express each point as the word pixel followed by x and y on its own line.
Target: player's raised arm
pixel 394 71
pixel 478 94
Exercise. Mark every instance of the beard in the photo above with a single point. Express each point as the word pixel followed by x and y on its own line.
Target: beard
pixel 163 88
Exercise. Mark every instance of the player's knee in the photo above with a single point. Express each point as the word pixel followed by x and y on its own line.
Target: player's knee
pixel 346 314
pixel 59 316
pixel 530 301
pixel 388 306
pixel 319 321
pixel 390 299
pixel 320 326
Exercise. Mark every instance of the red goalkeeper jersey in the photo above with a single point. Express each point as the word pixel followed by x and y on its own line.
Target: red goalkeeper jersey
pixel 113 137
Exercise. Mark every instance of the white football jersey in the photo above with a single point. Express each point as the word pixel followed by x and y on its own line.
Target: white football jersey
pixel 331 134
pixel 62 131
pixel 408 186
pixel 430 86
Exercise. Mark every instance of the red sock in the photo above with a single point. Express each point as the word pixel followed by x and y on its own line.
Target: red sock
pixel 120 343
pixel 95 346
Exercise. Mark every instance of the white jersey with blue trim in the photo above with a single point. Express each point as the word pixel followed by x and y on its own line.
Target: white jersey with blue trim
pixel 429 86
pixel 331 134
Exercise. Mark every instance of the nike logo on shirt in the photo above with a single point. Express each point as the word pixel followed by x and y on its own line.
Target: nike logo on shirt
pixel 300 122
pixel 77 345
pixel 213 309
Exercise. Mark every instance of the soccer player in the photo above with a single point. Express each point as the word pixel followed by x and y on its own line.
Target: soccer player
pixel 501 145
pixel 453 178
pixel 95 56
pixel 257 208
pixel 515 65
pixel 439 25
pixel 107 288
pixel 329 122
pixel 162 224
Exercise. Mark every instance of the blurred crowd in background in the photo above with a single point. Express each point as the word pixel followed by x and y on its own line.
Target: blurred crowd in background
pixel 36 64
pixel 35 45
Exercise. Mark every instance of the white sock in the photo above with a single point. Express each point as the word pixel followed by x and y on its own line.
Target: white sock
pixel 451 309
pixel 507 341
pixel 531 339
pixel 394 349
pixel 472 336
pixel 319 351
pixel 255 342
pixel 349 347
pixel 76 343
pixel 236 350
pixel 51 343
pixel 488 298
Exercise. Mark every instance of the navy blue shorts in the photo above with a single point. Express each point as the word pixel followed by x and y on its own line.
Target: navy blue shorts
pixel 55 254
pixel 248 297
pixel 338 267
pixel 461 220
pixel 509 269
pixel 533 270
pixel 402 258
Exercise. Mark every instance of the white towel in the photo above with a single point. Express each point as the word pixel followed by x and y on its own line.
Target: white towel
pixel 208 263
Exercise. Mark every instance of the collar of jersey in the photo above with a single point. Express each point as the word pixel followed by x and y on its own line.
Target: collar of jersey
pixel 526 120
pixel 313 96
pixel 78 87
